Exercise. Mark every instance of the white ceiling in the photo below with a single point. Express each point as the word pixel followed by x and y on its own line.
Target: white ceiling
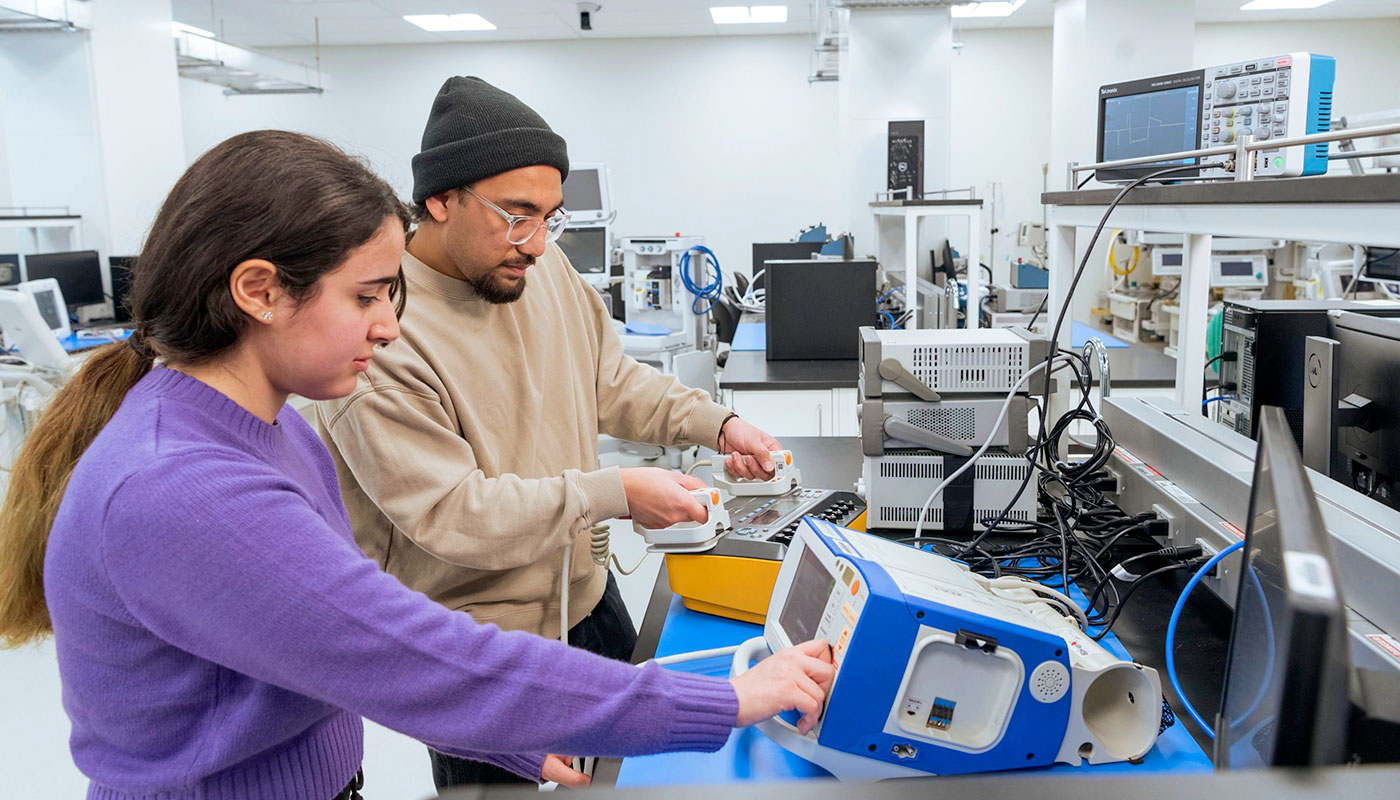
pixel 276 23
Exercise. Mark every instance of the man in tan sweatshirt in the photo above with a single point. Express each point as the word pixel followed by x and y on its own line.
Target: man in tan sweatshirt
pixel 468 456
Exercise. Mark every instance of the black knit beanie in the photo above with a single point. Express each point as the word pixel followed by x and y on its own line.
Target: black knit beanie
pixel 475 131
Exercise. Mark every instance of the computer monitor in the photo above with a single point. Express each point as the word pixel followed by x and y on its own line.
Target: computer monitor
pixel 10 273
pixel 814 309
pixel 587 249
pixel 121 286
pixel 586 193
pixel 1367 365
pixel 1285 701
pixel 79 273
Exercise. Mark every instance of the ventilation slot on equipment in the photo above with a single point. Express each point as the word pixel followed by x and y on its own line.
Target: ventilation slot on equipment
pixel 959 422
pixel 927 470
pixel 1322 122
pixel 909 514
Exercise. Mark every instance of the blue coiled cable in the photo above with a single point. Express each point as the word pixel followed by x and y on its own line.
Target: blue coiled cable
pixel 710 291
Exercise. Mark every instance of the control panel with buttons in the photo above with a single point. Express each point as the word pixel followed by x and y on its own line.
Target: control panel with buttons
pixel 1271 98
pixel 763 526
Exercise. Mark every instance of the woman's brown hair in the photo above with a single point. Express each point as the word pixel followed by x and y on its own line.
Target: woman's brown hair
pixel 297 201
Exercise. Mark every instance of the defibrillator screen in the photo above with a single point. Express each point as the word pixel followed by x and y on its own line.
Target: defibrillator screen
pixel 806 600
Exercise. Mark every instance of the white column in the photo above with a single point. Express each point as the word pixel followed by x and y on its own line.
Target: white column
pixel 1195 305
pixel 897 66
pixel 1097 42
pixel 1105 41
pixel 137 100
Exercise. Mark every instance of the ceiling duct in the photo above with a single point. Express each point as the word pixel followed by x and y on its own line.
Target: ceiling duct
pixel 241 71
pixel 26 16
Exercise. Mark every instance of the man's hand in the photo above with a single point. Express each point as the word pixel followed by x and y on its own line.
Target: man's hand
pixel 659 498
pixel 749 450
pixel 558 770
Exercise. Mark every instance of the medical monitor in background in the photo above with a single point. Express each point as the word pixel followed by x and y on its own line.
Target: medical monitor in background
pixel 79 273
pixel 10 273
pixel 27 331
pixel 587 249
pixel 586 193
pixel 49 300
pixel 1285 700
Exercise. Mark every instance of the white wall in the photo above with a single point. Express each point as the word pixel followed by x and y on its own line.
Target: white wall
pixel 1000 127
pixel 1368 59
pixel 718 137
pixel 50 143
pixel 137 97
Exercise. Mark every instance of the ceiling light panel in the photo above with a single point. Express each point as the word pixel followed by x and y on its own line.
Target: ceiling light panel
pixel 990 8
pixel 450 22
pixel 739 15
pixel 1282 5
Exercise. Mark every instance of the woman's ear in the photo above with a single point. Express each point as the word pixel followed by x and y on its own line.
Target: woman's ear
pixel 256 289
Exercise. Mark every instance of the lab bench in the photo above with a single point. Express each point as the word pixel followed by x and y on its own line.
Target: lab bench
pixel 669 628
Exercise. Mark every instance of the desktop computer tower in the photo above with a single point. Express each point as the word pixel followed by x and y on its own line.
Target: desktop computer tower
pixel 1268 338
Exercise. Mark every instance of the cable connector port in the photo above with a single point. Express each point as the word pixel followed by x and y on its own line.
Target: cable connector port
pixel 1159 528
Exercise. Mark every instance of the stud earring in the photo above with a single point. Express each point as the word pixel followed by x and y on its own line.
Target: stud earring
pixel 267 316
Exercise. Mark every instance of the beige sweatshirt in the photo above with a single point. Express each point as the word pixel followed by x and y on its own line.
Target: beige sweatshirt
pixel 468 455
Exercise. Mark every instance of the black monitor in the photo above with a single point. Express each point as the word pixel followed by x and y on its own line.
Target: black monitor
pixel 814 309
pixel 944 264
pixel 9 269
pixel 587 249
pixel 1285 701
pixel 79 274
pixel 1149 116
pixel 121 286
pixel 764 252
pixel 1368 362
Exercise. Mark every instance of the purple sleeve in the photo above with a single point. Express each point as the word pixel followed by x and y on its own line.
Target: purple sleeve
pixel 230 562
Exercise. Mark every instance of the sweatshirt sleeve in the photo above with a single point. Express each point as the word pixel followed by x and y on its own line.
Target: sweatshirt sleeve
pixel 638 403
pixel 230 562
pixel 436 494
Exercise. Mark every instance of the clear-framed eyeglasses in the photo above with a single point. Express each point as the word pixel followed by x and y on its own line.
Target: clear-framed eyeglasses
pixel 522 229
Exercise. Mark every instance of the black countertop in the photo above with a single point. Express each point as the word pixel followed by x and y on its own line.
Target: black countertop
pixel 1139 365
pixel 1383 188
pixel 750 370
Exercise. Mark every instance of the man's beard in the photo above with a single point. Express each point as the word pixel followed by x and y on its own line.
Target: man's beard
pixel 496 291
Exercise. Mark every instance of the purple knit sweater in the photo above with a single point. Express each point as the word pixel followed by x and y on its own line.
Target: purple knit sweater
pixel 219 634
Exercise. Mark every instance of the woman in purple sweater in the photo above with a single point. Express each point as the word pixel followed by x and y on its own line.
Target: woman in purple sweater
pixel 179 530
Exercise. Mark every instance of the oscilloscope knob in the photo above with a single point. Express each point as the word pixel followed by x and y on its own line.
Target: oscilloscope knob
pixel 1228 135
pixel 1225 90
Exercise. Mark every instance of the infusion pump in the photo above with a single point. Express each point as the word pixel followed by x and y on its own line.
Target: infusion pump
pixel 942 671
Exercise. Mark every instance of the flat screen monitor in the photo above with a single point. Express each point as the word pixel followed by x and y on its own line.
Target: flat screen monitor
pixel 1285 701
pixel 586 193
pixel 815 309
pixel 587 249
pixel 1368 362
pixel 78 273
pixel 1147 117
pixel 9 269
pixel 121 286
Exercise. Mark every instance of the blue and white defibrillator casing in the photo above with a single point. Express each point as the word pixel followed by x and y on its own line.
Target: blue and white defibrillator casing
pixel 942 671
